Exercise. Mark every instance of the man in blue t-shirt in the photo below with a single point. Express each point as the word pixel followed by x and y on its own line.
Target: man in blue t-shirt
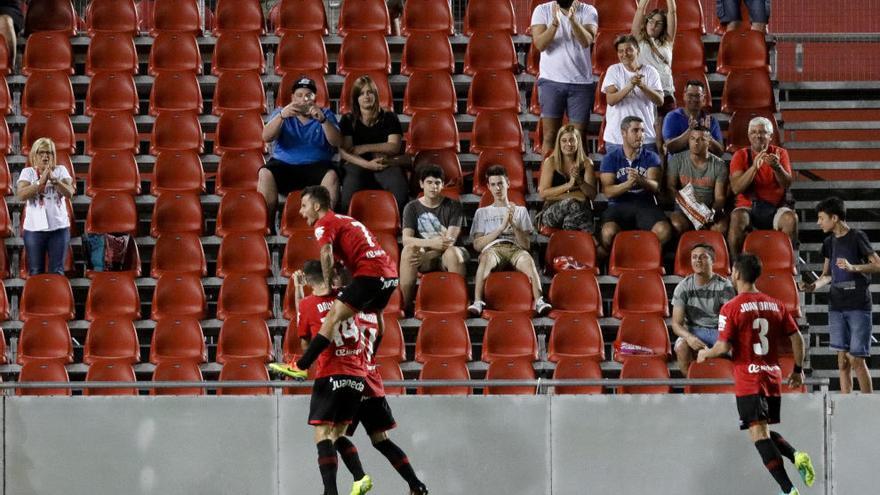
pixel 630 177
pixel 305 136
pixel 678 123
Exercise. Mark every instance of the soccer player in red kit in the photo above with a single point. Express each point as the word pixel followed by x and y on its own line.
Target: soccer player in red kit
pixel 751 326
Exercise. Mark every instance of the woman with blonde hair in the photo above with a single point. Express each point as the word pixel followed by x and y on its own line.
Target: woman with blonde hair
pixel 371 150
pixel 567 184
pixel 45 187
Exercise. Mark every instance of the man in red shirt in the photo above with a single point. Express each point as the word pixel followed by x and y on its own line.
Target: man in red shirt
pixel 760 175
pixel 751 326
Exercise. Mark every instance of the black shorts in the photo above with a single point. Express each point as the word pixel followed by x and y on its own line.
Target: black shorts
pixel 12 8
pixel 335 399
pixel 634 215
pixel 374 414
pixel 369 294
pixel 295 177
pixel 754 408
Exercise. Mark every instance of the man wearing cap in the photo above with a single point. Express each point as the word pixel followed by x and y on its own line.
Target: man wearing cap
pixel 304 136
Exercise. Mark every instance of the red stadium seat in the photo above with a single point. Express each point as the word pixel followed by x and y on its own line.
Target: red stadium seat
pixel 648 332
pixel 510 336
pixel 47 91
pixel 441 294
pixel 290 217
pixel 577 369
pixel 176 213
pixel 689 53
pixel 244 338
pixel 5 221
pixel 301 51
pixel 640 293
pixel 635 250
pixel 689 15
pixel 380 78
pixel 239 91
pixel 489 15
pixel 178 253
pixel 301 15
pixel 110 371
pixel 392 345
pixel 244 295
pixel 395 305
pixel 113 172
pixel 292 348
pixel 376 209
pixel 429 91
pixel 512 161
pixel 493 91
pixel 45 339
pixel 748 90
pixel 781 285
pixel 113 295
pixel 575 291
pixel 178 340
pixel 111 52
pixel 244 253
pixel 178 52
pixel 445 369
pixel 112 132
pixel 507 292
pixel 53 125
pixel 489 50
pixel 5 97
pixel 289 309
pixel 446 160
pixel 46 296
pixel 357 16
pixel 514 196
pixel 239 131
pixel 574 243
pixel 47 51
pixel 363 52
pixel 178 172
pixel 177 131
pixel 178 295
pixel 644 367
pixel 43 371
pixel 718 368
pixel 427 51
pixel 301 246
pixel 50 15
pixel 510 369
pixel 111 92
pixel 533 61
pixel 427 15
pixel 242 212
pixel 238 171
pixel 235 51
pixel 176 92
pixel 443 337
pixel 4 273
pixel 389 369
pixel 247 370
pixel 112 16
pixel 576 336
pixel 742 50
pixel 774 249
pixel 600 102
pixel 688 240
pixel 6 141
pixel 112 339
pixel 604 54
pixel 112 212
pixel 239 15
pixel 615 14
pixel 432 131
pixel 738 128
pixel 388 241
pixel 496 130
pixel 177 371
pixel 178 16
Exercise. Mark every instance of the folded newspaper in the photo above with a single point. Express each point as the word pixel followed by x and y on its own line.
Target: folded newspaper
pixel 698 213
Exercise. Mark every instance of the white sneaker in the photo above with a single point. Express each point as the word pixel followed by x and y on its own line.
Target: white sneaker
pixel 542 307
pixel 476 308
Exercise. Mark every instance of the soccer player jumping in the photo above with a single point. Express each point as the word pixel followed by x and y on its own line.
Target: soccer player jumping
pixel 751 325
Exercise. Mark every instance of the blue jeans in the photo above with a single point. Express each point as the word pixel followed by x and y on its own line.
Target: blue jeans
pixel 53 243
pixel 850 331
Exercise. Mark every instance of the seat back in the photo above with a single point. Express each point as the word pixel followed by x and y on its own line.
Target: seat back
pixel 178 295
pixel 510 369
pixel 579 369
pixel 113 295
pixel 443 337
pixel 238 171
pixel 641 335
pixel 427 15
pixel 300 51
pixel 45 339
pixel 392 346
pixel 635 250
pixel 111 52
pixel 239 15
pixel 718 368
pixel 112 131
pixel 640 293
pixel 773 248
pixel 576 336
pixel 244 252
pixel 239 91
pixel 432 131
pixel 490 50
pixel 441 293
pixel 575 291
pixel 244 370
pixel 721 264
pixel 748 89
pixel 242 212
pixel 364 51
pixel 236 50
pixel 177 371
pixel 112 16
pixel 177 131
pixel 176 91
pixel 177 172
pixel 301 15
pixel 302 245
pixel 175 52
pixel 646 367
pixel 496 130
pixel 244 338
pixel 445 369
pixel 46 296
pixel 429 91
pixel 577 244
pixel 176 213
pixel 178 253
pixel 113 172
pixel 50 15
pixel 112 339
pixel 781 285
pixel 507 292
pixel 357 16
pixel 427 51
pixel 510 336
pixel 43 371
pixel 377 209
pixel 178 339
pixel 744 49
pixel 179 16
pixel 47 91
pixel 490 15
pixel 244 295
pixel 111 92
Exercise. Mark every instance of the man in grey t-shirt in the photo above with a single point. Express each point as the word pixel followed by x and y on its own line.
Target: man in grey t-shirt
pixel 696 302
pixel 706 173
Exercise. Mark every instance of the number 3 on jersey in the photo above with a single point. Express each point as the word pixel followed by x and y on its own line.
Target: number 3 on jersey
pixel 762 326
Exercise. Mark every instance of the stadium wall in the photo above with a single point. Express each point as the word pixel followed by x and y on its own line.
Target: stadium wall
pixel 682 444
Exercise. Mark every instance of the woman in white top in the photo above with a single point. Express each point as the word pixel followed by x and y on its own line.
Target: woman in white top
pixel 45 186
pixel 655 31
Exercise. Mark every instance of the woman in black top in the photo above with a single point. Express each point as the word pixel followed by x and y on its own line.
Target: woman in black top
pixel 371 152
pixel 567 184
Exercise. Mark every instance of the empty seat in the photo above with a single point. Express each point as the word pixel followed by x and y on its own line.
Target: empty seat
pixel 175 91
pixel 577 369
pixel 301 246
pixel 239 131
pixel 575 244
pixel 178 339
pixel 492 90
pixel 292 348
pixel 507 292
pixel 575 291
pixel 239 15
pixel 112 339
pixel 178 16
pixel 363 52
pixel 113 172
pixel 510 369
pixel 427 51
pixel 641 335
pixel 392 346
pixel 110 371
pixel 376 209
pixel 113 295
pixel 177 131
pixel 5 97
pixel 238 171
pixel 47 51
pixel 244 295
pixel 53 125
pixel 301 15
pixel 640 293
pixel 644 367
pixel 380 79
pixel 45 339
pixel 111 52
pixel 179 172
pixel 5 221
pixel 244 338
pixel 533 61
pixel 43 371
pixel 247 370
pixel 112 131
pixel 441 294
pixel 299 52
pixel 445 369
pixel 490 15
pixel 744 49
pixel 510 336
pixel 576 336
pixel 773 248
pixel 291 220
pixel 46 296
pixel 431 131
pixel 111 212
pixel 615 14
pixel 239 91
pixel 635 250
pixel 721 264
pixel 176 214
pixel 358 16
pixel 177 371
pixel 389 369
pixel 496 130
pixel 175 52
pixel 47 91
pixel 388 241
pixel 510 159
pixel 781 285
pixel 717 368
pixel 443 337
pixel 4 273
pixel 738 128
pixel 244 253
pixel 111 92
pixel 112 16
pixel 427 15
pixel 446 160
pixel 748 90
pixel 178 295
pixel 688 15
pixel 50 15
pixel 689 53
pixel 395 305
pixel 178 253
pixel 429 91
pixel 242 212
pixel 489 50
pixel 238 51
